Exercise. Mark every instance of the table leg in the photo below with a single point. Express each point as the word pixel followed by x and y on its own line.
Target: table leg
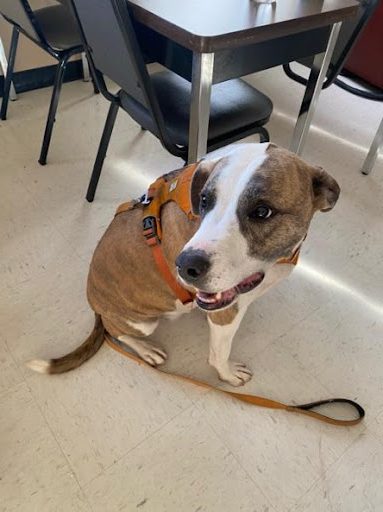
pixel 202 77
pixel 85 67
pixel 313 89
pixel 4 66
pixel 373 152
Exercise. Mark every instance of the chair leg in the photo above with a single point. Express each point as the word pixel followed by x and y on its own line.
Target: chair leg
pixel 85 67
pixel 372 155
pixel 4 67
pixel 53 108
pixel 102 149
pixel 8 77
pixel 264 135
pixel 93 76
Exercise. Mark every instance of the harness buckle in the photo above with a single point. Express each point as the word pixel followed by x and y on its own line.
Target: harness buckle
pixel 150 230
pixel 145 199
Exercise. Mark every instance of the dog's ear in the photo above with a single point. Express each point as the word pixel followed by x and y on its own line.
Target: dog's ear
pixel 200 177
pixel 325 190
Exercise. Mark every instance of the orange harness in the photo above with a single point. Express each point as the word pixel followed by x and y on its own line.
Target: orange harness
pixel 172 188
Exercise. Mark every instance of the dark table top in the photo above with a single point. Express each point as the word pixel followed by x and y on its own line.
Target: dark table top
pixel 211 25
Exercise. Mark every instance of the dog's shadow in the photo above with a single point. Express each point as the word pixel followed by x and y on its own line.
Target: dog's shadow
pixel 186 341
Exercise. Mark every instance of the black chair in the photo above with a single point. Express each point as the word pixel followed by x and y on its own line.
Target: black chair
pixel 55 30
pixel 348 36
pixel 159 103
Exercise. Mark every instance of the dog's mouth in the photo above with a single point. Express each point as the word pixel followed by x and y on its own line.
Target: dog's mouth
pixel 220 300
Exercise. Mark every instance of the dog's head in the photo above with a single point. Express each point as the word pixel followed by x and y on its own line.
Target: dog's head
pixel 256 203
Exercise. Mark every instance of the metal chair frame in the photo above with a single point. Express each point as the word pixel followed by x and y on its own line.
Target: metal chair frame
pixel 62 56
pixel 372 155
pixel 335 67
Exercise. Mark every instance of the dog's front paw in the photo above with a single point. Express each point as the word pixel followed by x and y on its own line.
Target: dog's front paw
pixel 236 374
pixel 151 354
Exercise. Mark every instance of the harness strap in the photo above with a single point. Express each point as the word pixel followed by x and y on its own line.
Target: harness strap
pixel 291 260
pixel 306 409
pixel 170 187
pixel 181 293
pixel 129 205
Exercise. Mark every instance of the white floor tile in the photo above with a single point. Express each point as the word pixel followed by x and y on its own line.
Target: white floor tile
pixel 182 467
pixel 376 426
pixel 341 345
pixel 283 453
pixel 34 474
pixel 352 484
pixel 28 239
pixel 48 314
pixel 102 410
pixel 10 375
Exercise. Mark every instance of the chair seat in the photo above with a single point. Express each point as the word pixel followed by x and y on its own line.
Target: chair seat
pixel 235 105
pixel 59 27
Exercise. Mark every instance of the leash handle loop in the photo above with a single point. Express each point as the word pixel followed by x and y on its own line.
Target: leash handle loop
pixel 308 410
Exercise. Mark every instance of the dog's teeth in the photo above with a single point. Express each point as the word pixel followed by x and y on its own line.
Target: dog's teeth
pixel 208 300
pixel 219 295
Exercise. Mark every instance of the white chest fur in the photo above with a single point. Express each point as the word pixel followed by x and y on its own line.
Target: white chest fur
pixel 180 309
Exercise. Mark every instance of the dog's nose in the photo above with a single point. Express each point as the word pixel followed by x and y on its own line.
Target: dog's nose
pixel 193 265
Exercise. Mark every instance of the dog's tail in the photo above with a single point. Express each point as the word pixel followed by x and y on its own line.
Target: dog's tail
pixel 73 359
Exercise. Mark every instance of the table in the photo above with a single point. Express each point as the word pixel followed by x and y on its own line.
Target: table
pixel 210 41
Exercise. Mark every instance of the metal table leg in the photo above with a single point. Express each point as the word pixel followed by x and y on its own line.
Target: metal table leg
pixel 85 67
pixel 4 67
pixel 313 89
pixel 377 143
pixel 202 77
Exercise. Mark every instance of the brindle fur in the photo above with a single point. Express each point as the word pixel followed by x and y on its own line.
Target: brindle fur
pixel 224 317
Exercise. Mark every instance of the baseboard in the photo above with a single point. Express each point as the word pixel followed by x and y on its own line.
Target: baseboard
pixel 42 77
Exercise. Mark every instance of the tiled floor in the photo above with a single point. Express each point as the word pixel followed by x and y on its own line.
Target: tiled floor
pixel 114 436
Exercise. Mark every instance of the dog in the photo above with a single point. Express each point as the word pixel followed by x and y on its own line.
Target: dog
pixel 253 206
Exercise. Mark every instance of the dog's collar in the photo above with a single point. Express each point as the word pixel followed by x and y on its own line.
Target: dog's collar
pixel 176 188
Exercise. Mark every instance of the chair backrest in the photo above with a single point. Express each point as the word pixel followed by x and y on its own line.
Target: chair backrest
pixel 20 13
pixel 348 36
pixel 111 43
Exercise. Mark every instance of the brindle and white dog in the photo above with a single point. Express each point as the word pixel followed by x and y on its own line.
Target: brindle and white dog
pixel 256 202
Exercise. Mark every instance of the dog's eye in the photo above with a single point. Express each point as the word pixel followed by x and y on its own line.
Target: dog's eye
pixel 262 212
pixel 203 202
pixel 206 201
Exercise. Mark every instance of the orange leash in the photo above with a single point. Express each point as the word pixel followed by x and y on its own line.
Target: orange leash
pixel 259 401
